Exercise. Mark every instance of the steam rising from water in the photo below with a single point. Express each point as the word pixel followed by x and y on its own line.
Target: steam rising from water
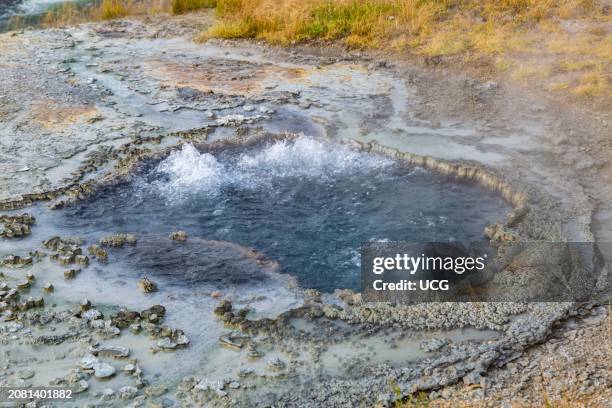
pixel 188 171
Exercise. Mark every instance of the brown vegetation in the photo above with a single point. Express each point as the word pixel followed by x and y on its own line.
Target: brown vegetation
pixel 562 45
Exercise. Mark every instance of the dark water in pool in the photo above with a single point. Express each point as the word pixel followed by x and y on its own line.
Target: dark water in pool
pixel 305 203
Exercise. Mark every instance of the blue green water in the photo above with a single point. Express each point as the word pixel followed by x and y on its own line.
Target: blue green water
pixel 307 204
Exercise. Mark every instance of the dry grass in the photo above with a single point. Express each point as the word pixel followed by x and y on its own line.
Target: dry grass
pixel 185 6
pixel 74 13
pixel 525 38
pixel 558 45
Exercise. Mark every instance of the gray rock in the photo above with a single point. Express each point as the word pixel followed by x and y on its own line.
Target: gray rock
pixel 216 386
pixel 82 386
pixel 91 314
pixel 103 370
pixel 88 362
pixel 127 392
pixel 110 350
pixel 166 343
pixel 25 374
pixel 276 364
pixel 182 340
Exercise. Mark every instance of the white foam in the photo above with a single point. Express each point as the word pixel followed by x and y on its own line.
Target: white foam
pixel 188 171
pixel 307 157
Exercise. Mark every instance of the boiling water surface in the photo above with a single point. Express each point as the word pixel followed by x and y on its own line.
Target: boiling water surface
pixel 305 203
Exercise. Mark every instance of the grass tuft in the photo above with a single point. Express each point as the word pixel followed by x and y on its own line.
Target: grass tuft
pixel 185 6
pixel 592 83
pixel 111 9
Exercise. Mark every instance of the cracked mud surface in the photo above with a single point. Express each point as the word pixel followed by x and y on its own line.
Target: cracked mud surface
pixel 75 102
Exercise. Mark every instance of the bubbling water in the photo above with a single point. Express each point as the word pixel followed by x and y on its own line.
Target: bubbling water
pixel 188 171
pixel 306 203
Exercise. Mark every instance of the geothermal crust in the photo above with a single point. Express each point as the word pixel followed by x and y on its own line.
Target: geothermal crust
pixel 102 100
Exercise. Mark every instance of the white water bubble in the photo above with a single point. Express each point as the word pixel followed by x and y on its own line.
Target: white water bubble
pixel 188 171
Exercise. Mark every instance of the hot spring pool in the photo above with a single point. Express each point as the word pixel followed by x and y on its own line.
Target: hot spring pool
pixel 305 203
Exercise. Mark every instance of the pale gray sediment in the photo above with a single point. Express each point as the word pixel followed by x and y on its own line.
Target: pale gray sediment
pixel 119 128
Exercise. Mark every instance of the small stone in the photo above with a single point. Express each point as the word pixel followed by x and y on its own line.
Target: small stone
pixel 92 314
pixel 71 273
pixel 82 260
pixel 128 392
pixel 30 277
pixel 225 306
pixel 166 344
pixel 158 310
pixel 216 386
pixel 182 340
pixel 118 240
pixel 88 362
pixel 65 260
pixel 25 374
pixel 276 364
pixel 110 350
pixel 103 370
pixel 99 253
pixel 178 236
pixel 24 284
pixel 234 340
pixel 85 304
pixel 135 328
pixel 245 372
pixel 48 287
pixel 146 285
pixel 81 387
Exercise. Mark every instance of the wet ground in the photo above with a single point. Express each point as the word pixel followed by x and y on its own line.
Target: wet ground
pixel 77 102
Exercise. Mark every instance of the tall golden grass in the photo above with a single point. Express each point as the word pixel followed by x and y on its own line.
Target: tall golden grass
pixel 516 34
pixel 372 22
